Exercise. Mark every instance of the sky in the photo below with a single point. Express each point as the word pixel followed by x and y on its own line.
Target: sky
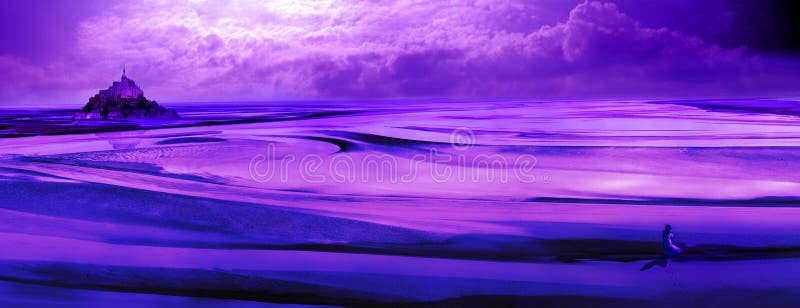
pixel 62 52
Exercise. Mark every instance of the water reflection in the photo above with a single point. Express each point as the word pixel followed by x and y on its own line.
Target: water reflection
pixel 124 140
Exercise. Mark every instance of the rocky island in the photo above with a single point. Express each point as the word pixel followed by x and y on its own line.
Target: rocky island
pixel 122 100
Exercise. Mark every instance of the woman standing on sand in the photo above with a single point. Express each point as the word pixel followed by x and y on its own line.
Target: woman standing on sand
pixel 669 248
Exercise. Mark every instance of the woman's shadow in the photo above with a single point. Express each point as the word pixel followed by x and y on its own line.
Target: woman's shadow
pixel 662 262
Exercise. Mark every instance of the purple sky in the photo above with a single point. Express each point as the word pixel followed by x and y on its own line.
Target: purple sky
pixel 62 52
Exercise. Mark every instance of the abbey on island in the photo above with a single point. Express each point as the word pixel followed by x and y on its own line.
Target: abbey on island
pixel 122 100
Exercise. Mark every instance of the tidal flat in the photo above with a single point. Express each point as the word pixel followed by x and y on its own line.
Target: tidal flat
pixel 441 203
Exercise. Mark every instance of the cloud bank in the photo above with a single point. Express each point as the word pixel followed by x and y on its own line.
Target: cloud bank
pixel 267 50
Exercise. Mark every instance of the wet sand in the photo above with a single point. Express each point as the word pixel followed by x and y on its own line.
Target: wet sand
pixel 151 211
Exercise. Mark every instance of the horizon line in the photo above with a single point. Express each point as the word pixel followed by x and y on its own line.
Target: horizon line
pixel 441 99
